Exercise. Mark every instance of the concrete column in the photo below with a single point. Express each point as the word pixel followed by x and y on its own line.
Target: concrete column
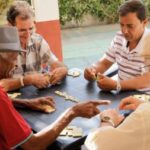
pixel 47 23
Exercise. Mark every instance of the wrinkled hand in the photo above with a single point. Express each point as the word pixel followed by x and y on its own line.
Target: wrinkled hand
pixel 88 109
pixel 35 103
pixel 38 80
pixel 129 103
pixel 90 74
pixel 57 75
pixel 114 115
pixel 105 83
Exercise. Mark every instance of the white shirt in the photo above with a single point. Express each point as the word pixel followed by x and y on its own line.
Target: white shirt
pixel 130 63
pixel 132 134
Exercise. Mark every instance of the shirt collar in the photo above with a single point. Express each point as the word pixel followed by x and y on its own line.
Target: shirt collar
pixel 138 48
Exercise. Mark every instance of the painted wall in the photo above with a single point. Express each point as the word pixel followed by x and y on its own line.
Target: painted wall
pixel 47 23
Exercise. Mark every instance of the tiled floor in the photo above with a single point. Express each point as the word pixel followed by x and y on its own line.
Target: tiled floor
pixel 83 46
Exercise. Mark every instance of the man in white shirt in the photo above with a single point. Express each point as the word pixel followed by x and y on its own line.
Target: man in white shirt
pixel 132 134
pixel 125 51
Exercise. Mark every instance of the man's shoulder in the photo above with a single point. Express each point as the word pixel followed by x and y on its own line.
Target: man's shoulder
pixel 119 35
pixel 119 39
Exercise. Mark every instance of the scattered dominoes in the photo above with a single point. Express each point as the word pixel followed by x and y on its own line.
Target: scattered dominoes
pixel 66 96
pixel 72 131
pixel 74 73
pixel 14 95
pixel 47 108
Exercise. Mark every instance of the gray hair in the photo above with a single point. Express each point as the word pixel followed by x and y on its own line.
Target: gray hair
pixel 19 8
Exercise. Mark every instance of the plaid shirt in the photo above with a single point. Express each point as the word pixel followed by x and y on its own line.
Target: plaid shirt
pixel 38 55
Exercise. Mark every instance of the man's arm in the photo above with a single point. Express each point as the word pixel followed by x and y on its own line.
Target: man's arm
pixel 48 135
pixel 36 79
pixel 11 84
pixel 107 84
pixel 102 65
pixel 58 72
pixel 139 82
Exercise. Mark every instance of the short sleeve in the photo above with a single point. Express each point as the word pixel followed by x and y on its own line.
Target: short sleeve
pixel 110 53
pixel 13 128
pixel 46 54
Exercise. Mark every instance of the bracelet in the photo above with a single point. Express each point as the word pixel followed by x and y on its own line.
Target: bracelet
pixel 21 81
pixel 118 88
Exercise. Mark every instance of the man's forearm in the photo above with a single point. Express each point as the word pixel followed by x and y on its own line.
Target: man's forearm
pixel 58 64
pixel 48 135
pixel 102 65
pixel 11 84
pixel 20 102
pixel 136 83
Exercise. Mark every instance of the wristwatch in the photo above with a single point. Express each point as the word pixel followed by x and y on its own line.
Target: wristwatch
pixel 107 119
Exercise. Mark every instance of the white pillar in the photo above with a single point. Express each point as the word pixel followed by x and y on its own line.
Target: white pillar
pixel 47 23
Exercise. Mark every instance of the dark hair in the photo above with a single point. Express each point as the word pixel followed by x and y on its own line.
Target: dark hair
pixel 19 8
pixel 133 6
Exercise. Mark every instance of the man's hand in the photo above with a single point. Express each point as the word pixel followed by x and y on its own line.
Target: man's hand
pixel 114 115
pixel 35 103
pixel 37 79
pixel 105 83
pixel 57 75
pixel 88 109
pixel 90 74
pixel 129 103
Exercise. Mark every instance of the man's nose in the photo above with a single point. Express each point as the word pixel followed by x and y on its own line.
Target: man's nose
pixel 28 33
pixel 125 30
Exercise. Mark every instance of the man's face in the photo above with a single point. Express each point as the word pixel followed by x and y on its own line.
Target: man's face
pixel 132 27
pixel 8 61
pixel 25 29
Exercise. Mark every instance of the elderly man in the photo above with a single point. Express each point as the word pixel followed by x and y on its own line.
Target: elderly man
pixel 10 41
pixel 19 134
pixel 125 51
pixel 38 57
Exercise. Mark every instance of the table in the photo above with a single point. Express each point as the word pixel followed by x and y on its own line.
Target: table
pixel 79 88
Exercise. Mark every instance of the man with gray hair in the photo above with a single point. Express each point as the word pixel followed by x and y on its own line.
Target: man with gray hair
pixel 38 57
pixel 9 48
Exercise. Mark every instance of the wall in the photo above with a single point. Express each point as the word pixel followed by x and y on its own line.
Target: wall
pixel 47 23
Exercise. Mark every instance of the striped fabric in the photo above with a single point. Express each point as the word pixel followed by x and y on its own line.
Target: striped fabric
pixel 130 64
pixel 38 53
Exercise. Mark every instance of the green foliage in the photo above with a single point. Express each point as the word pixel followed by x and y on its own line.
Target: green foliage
pixel 105 10
pixel 4 4
pixel 147 4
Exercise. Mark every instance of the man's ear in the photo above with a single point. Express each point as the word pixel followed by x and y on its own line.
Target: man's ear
pixel 9 24
pixel 145 22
